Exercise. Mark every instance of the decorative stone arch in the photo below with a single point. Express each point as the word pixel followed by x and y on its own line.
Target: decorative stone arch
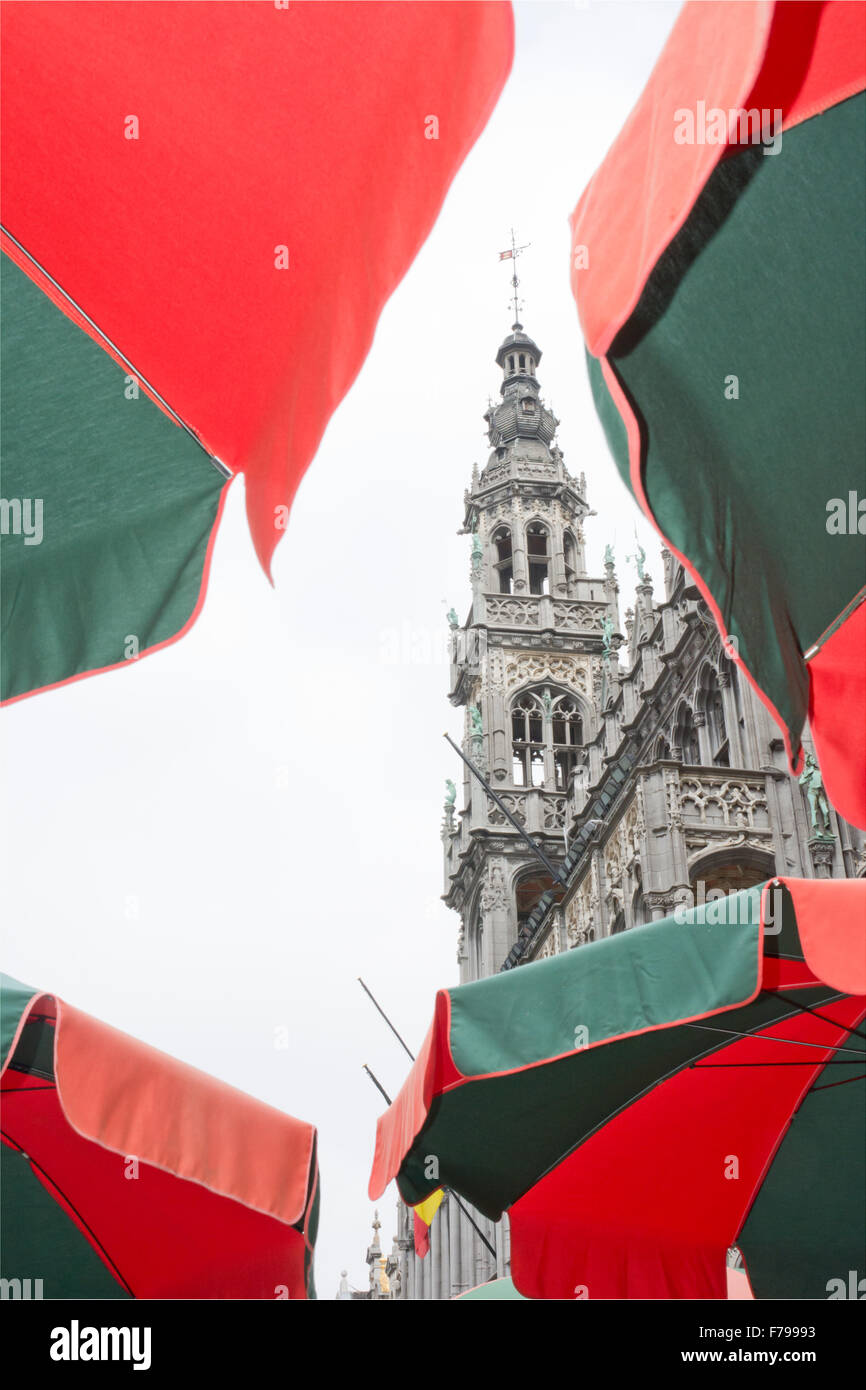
pixel 539 559
pixel 529 881
pixel 641 912
pixel 558 688
pixel 733 868
pixel 662 748
pixel 709 706
pixel 473 931
pixel 502 557
pixel 684 734
pixel 553 740
pixel 570 561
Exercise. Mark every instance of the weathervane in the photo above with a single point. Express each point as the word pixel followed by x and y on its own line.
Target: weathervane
pixel 512 256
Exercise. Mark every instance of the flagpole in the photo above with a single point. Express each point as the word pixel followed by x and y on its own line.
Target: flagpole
pixel 387 1020
pixel 551 868
pixel 379 1087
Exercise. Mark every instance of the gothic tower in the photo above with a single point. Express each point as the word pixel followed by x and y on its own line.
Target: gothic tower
pixel 525 664
pixel 641 762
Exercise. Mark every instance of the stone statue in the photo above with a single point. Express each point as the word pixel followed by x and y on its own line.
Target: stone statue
pixel 450 792
pixel 608 556
pixel 547 702
pixel 453 620
pixel 475 717
pixel 607 637
pixel 639 557
pixel 810 779
pixel 477 553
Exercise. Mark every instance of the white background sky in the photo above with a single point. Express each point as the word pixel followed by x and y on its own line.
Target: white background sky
pixel 267 794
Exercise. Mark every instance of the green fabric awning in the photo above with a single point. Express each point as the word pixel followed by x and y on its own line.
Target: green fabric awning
pixel 720 278
pixel 596 1094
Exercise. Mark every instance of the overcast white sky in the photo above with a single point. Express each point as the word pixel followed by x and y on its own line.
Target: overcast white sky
pixel 267 794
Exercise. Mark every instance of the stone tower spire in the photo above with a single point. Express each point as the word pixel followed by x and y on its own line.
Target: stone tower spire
pixel 527 662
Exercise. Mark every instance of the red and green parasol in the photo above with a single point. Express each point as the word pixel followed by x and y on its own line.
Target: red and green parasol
pixel 643 1103
pixel 719 266
pixel 127 1174
pixel 205 209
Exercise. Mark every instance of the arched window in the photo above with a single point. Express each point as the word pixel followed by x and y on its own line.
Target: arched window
pixel 711 698
pixel 567 739
pixel 504 563
pixel 718 876
pixel 663 748
pixel 522 361
pixel 686 736
pixel 731 668
pixel 569 550
pixel 529 888
pixel 527 741
pixel 511 364
pixel 537 557
pixel 545 726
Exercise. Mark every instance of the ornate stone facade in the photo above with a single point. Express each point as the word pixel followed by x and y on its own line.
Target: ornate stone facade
pixel 639 760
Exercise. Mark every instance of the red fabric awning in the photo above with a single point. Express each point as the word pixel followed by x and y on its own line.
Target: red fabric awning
pixel 730 57
pixel 220 1202
pixel 333 131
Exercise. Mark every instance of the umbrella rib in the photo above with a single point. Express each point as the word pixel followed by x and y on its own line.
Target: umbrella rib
pixel 97 1242
pixel 795 1042
pixel 823 1017
pixel 710 1066
pixel 212 458
pixel 23 1090
pixel 846 1082
pixel 659 1081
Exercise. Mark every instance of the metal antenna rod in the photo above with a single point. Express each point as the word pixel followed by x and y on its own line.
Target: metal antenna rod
pixel 515 281
pixel 379 1087
pixel 551 868
pixel 411 1055
pixel 449 1191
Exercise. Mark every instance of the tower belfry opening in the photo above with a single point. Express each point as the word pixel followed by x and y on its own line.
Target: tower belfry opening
pixel 526 677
